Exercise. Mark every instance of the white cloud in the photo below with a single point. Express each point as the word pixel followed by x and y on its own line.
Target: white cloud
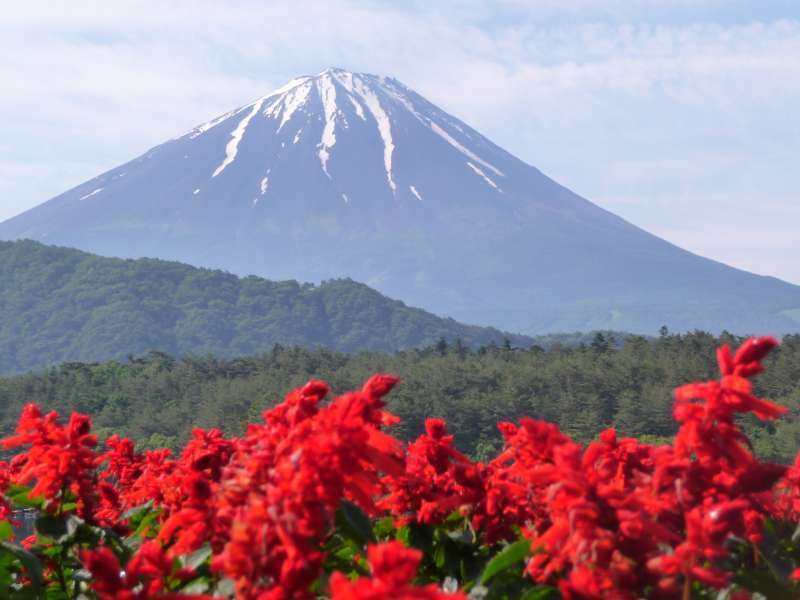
pixel 632 103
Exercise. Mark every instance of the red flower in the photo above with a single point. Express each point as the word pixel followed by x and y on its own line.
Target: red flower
pixel 284 483
pixel 107 574
pixel 59 459
pixel 393 569
pixel 437 479
pixel 617 519
pixel 144 577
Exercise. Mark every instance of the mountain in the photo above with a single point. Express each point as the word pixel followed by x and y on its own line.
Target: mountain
pixel 60 304
pixel 353 175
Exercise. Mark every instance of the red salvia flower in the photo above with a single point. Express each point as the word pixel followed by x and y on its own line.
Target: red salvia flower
pixel 437 480
pixel 58 460
pixel 617 519
pixel 393 569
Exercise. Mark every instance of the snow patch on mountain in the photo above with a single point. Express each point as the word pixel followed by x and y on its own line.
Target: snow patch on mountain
pixel 236 136
pixel 486 178
pixel 383 103
pixel 90 194
pixel 345 78
pixel 289 86
pixel 274 109
pixel 201 129
pixel 384 126
pixel 357 107
pixel 293 101
pixel 465 151
pixel 327 93
pixel 398 95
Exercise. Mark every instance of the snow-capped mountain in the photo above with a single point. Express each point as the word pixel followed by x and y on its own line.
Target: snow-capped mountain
pixel 346 174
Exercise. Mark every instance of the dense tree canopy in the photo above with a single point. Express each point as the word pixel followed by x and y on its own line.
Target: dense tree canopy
pixel 59 304
pixel 158 398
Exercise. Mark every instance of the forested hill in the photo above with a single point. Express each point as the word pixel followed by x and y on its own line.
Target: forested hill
pixel 59 304
pixel 157 399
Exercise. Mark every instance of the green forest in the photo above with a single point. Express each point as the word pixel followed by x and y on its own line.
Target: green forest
pixel 59 304
pixel 626 383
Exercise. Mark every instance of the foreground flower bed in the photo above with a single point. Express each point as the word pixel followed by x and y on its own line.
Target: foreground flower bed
pixel 319 500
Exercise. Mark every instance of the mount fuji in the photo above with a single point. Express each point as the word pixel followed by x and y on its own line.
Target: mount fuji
pixel 354 175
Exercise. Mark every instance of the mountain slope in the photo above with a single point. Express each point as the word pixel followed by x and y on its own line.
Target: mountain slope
pixel 355 175
pixel 59 304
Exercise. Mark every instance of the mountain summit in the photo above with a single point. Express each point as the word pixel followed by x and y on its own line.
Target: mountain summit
pixel 346 174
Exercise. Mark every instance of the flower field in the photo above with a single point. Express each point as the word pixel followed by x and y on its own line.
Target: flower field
pixel 320 500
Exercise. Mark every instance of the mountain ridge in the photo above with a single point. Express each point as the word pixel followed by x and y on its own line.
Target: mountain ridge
pixel 60 304
pixel 354 175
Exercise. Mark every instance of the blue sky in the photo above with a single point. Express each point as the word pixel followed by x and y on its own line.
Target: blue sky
pixel 682 116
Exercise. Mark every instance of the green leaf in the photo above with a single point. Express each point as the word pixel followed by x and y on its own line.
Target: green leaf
pixel 19 497
pixel 142 521
pixel 226 588
pixel 384 527
pixel 29 561
pixel 6 530
pixel 439 556
pixel 540 592
pixel 55 593
pixel 136 511
pixel 196 558
pixel 196 587
pixel 508 557
pixel 6 577
pixel 132 543
pixel 353 523
pixel 404 535
pixel 345 553
pixel 454 517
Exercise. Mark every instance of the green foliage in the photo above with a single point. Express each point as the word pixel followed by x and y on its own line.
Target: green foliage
pixel 352 521
pixel 22 573
pixel 158 398
pixel 60 304
pixel 509 556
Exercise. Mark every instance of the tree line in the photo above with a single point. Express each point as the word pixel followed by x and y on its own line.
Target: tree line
pixel 60 304
pixel 608 381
